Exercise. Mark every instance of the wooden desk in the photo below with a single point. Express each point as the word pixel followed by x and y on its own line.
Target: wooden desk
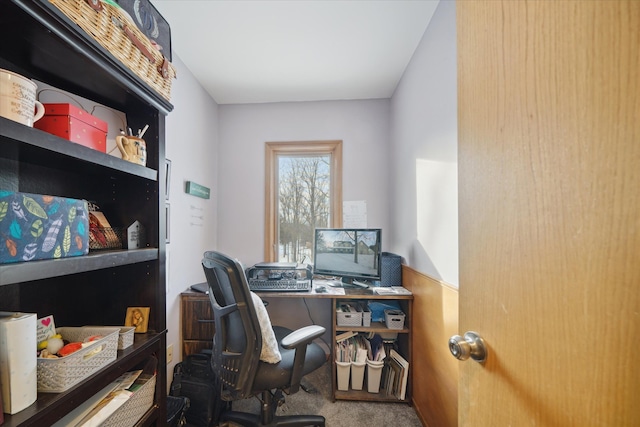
pixel 196 322
pixel 198 328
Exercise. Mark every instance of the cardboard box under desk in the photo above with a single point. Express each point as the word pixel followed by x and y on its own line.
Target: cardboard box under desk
pixel 74 124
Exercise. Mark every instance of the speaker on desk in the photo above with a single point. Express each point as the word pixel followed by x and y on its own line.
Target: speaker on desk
pixel 391 269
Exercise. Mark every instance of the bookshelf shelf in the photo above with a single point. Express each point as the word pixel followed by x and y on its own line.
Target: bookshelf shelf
pixel 403 343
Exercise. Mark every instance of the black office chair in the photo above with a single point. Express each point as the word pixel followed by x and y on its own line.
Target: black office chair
pixel 237 344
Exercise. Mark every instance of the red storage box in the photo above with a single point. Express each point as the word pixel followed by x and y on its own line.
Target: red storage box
pixel 70 122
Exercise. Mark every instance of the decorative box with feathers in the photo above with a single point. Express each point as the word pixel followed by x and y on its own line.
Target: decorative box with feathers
pixel 36 226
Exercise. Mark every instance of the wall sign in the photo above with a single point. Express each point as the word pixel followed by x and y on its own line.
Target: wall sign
pixel 197 190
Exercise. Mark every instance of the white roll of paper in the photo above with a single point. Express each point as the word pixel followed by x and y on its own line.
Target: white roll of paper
pixel 18 360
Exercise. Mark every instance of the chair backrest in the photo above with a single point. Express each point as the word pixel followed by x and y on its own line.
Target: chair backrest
pixel 237 341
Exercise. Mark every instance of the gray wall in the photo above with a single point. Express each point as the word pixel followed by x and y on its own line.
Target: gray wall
pixel 423 153
pixel 192 146
pixel 409 141
pixel 244 129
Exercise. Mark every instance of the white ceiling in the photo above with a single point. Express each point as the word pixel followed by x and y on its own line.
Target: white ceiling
pixel 296 50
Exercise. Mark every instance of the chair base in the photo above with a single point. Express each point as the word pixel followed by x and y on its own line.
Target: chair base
pixel 253 420
pixel 267 416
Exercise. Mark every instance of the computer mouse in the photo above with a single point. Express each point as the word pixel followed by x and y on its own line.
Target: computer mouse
pixel 321 289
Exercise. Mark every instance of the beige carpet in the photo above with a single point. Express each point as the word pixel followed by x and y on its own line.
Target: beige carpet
pixel 340 413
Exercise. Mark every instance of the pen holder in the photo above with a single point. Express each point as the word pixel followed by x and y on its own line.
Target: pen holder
pixel 357 375
pixel 343 370
pixel 374 374
pixel 133 149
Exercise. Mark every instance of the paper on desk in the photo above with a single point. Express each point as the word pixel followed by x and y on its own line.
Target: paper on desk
pixel 392 290
pixel 330 290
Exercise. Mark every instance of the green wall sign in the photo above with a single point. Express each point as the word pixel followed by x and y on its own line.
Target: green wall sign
pixel 197 190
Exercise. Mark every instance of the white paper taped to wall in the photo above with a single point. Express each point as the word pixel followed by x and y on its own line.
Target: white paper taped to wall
pixel 354 214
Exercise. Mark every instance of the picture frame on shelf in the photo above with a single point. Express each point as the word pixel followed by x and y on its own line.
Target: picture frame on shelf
pixel 138 317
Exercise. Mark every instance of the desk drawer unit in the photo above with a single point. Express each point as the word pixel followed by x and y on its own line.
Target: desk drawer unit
pixel 197 322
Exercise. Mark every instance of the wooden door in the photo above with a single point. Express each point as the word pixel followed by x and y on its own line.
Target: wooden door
pixel 549 211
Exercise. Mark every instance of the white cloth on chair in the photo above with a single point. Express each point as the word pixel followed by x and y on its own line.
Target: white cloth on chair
pixel 270 352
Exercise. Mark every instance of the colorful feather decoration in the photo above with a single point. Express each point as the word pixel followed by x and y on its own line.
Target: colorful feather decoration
pixel 17 209
pixel 52 235
pixel 37 228
pixel 72 214
pixel 4 207
pixel 15 230
pixel 29 252
pixel 66 240
pixel 33 207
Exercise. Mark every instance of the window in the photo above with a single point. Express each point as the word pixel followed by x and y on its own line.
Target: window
pixel 303 191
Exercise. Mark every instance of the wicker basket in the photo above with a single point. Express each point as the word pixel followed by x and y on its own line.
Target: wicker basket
pixel 125 339
pixel 113 29
pixel 101 238
pixel 58 375
pixel 134 408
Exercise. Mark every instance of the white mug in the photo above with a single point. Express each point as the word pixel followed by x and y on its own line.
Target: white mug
pixel 18 99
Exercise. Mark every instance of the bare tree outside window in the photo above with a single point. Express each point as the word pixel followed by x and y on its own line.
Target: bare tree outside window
pixel 303 204
pixel 304 191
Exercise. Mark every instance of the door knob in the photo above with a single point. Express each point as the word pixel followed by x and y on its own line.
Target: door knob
pixel 472 345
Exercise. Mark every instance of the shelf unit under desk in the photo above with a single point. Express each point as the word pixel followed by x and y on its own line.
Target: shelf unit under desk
pixel 404 335
pixel 197 299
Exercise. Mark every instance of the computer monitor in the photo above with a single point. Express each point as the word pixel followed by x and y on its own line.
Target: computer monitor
pixel 350 253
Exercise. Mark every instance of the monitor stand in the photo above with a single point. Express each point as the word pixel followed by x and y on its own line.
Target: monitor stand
pixel 353 283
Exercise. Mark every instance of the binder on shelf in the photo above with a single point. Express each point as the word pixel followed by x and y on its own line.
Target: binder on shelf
pixel 404 371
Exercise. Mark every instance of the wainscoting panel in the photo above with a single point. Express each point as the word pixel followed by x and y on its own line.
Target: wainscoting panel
pixel 434 372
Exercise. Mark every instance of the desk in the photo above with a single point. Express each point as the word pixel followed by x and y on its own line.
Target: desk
pixel 197 329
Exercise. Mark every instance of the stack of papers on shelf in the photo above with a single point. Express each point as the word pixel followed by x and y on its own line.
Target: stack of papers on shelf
pixel 391 290
pixel 352 347
pixel 97 408
pixel 343 336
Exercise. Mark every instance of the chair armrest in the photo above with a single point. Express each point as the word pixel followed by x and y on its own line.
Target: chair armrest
pixel 299 340
pixel 302 336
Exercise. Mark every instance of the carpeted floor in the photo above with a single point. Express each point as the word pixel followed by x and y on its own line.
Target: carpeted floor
pixel 340 413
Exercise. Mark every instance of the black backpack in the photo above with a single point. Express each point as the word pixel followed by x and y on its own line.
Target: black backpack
pixel 194 378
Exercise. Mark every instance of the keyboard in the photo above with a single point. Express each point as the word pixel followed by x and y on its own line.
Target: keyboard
pixel 282 285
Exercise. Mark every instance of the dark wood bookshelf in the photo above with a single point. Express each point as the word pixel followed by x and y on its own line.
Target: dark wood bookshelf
pixel 95 289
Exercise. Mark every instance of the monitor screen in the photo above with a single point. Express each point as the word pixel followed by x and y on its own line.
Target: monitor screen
pixel 351 253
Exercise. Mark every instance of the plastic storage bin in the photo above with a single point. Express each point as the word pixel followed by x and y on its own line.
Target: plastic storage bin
pixel 343 371
pixel 394 319
pixel 374 374
pixel 366 314
pixel 58 375
pixel 348 314
pixel 357 375
pixel 126 337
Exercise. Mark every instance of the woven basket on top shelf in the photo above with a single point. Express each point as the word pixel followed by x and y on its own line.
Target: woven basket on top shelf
pixel 113 29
